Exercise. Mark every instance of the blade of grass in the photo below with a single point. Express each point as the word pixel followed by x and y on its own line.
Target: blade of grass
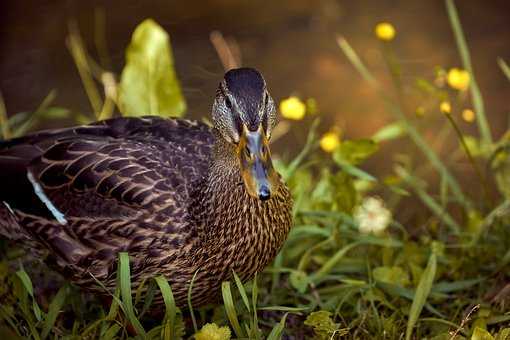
pixel 27 283
pixel 284 309
pixel 53 310
pixel 35 117
pixel 111 332
pixel 171 308
pixel 190 305
pixel 277 331
pixel 474 164
pixel 309 146
pixel 242 291
pixel 476 95
pixel 149 297
pixel 125 290
pixel 255 320
pixel 23 294
pixel 421 295
pixel 7 315
pixel 330 264
pixel 4 121
pixel 79 54
pixel 399 114
pixel 427 199
pixel 504 67
pixel 230 309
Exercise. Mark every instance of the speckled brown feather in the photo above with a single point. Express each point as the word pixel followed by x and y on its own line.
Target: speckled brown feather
pixel 169 192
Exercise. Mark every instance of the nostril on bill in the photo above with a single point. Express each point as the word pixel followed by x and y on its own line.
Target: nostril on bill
pixel 264 193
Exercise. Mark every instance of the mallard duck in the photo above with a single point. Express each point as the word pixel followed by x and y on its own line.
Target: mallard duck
pixel 181 197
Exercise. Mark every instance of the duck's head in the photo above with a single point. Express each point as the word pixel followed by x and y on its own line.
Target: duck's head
pixel 244 114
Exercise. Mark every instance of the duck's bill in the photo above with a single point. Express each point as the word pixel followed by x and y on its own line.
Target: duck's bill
pixel 260 178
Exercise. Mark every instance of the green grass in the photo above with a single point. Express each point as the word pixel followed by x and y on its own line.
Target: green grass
pixel 441 272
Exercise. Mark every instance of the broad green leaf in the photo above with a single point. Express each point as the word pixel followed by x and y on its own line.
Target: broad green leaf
pixel 421 294
pixel 149 85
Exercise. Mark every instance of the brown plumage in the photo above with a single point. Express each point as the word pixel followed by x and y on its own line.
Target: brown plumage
pixel 179 196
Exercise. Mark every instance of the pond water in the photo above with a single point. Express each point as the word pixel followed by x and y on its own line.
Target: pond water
pixel 291 42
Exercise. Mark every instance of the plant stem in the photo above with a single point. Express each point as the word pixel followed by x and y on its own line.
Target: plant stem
pixel 473 162
pixel 478 104
pixel 399 114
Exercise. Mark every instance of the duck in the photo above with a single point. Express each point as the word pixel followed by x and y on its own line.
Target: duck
pixel 185 199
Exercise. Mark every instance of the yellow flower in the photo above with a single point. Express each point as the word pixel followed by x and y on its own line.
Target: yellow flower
pixel 330 141
pixel 211 331
pixel 385 31
pixel 293 108
pixel 458 79
pixel 468 115
pixel 445 107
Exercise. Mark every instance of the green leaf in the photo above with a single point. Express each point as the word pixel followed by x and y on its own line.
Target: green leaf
pixel 323 326
pixel 355 151
pixel 422 292
pixel 481 334
pixel 394 275
pixel 389 132
pixel 149 85
pixel 503 334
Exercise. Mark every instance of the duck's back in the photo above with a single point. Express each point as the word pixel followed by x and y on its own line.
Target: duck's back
pixel 114 164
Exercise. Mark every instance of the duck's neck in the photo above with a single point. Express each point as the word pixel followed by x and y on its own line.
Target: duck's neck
pixel 235 224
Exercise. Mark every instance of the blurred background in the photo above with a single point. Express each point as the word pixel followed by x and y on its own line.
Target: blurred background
pixel 292 42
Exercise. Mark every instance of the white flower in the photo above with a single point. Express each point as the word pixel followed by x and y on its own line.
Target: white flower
pixel 372 216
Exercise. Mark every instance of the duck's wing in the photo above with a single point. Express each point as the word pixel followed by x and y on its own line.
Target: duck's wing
pixel 88 192
pixel 112 168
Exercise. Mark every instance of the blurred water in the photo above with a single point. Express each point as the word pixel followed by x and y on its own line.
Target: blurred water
pixel 291 42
